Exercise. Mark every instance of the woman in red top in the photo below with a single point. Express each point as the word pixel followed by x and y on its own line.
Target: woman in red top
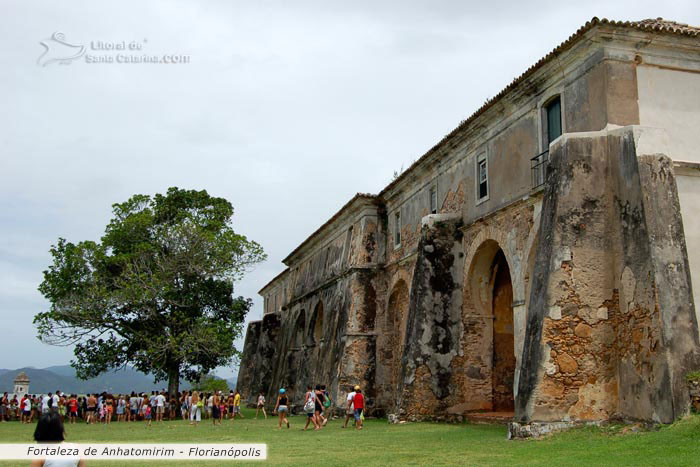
pixel 359 403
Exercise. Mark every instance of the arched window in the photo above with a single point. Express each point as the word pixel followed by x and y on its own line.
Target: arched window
pixel 318 323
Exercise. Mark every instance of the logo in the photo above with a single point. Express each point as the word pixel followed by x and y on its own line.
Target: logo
pixel 59 51
pixel 122 52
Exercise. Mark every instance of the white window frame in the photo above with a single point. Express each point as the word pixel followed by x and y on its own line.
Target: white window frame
pixel 397 229
pixel 483 157
pixel 542 104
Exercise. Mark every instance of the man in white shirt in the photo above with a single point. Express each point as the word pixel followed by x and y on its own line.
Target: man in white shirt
pixel 350 410
pixel 160 407
pixel 26 409
pixel 210 405
pixel 55 398
pixel 45 403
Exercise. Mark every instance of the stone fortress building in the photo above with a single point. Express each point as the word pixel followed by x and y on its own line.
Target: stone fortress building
pixel 539 261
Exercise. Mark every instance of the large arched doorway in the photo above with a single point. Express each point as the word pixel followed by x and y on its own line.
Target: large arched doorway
pixel 490 343
pixel 503 373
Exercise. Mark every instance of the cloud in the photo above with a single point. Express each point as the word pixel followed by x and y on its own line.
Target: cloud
pixel 286 109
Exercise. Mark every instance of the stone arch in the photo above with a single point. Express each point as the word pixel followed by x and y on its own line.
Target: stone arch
pixel 395 327
pixel 489 292
pixel 482 240
pixel 316 324
pixel 299 327
pixel 480 276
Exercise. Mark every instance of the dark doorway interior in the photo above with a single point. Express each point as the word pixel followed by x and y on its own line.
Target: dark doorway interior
pixel 503 339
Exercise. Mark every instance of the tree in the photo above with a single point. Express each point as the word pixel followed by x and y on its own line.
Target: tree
pixel 156 292
pixel 210 383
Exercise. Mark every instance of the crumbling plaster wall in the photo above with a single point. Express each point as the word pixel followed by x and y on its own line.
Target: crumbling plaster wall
pixel 612 325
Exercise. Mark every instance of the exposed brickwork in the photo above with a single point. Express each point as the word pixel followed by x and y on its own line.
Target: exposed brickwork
pixel 454 201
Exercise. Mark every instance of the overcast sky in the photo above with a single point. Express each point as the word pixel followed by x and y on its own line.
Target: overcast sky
pixel 286 109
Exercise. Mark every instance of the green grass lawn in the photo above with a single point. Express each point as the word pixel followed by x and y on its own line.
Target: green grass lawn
pixel 411 443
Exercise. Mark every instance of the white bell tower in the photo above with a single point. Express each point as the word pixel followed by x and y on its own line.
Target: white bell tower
pixel 21 384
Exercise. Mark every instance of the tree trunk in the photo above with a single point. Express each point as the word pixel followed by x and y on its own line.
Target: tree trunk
pixel 174 381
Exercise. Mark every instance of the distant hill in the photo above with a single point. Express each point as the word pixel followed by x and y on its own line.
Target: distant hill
pixel 41 380
pixel 63 378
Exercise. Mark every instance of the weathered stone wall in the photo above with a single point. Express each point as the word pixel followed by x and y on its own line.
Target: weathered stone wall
pixel 603 323
pixel 611 306
pixel 259 358
pixel 433 324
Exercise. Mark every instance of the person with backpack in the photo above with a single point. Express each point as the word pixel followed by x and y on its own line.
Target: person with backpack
pixel 349 410
pixel 319 400
pixel 359 403
pixel 310 408
pixel 282 408
pixel 326 403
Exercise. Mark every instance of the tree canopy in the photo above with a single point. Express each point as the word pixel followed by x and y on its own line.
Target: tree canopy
pixel 210 383
pixel 156 292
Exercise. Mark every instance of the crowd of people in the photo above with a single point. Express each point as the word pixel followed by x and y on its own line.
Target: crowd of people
pixel 107 408
pixel 53 409
pixel 192 406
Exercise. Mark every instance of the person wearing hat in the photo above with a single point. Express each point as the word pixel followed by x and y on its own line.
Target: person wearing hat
pixel 281 407
pixel 349 411
pixel 359 402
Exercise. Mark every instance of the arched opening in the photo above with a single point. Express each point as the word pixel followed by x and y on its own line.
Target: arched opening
pixel 298 340
pixel 395 328
pixel 318 323
pixel 503 373
pixel 490 336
